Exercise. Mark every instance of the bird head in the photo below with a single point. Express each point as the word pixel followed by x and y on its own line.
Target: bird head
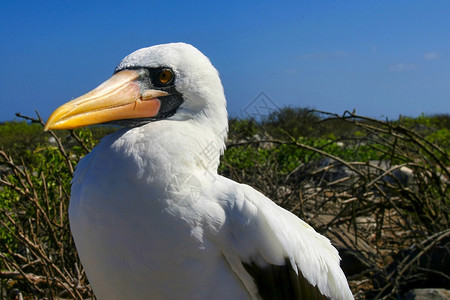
pixel 170 81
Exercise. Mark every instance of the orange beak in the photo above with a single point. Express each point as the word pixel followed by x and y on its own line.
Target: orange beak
pixel 118 98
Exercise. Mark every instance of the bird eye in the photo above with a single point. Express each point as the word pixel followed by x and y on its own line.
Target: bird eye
pixel 165 76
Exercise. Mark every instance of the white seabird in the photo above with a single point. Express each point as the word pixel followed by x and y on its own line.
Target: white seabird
pixel 151 217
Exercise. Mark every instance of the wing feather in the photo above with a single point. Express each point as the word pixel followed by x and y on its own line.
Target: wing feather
pixel 279 255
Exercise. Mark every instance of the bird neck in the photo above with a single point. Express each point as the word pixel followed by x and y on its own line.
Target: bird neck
pixel 170 146
pixel 206 129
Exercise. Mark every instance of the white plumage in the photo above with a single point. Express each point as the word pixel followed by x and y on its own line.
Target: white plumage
pixel 151 217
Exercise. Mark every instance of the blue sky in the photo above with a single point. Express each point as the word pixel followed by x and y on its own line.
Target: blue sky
pixel 382 58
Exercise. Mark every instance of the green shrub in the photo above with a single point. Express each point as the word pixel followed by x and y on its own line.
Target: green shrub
pixel 37 253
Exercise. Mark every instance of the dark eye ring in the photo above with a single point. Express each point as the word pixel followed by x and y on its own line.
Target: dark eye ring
pixel 165 76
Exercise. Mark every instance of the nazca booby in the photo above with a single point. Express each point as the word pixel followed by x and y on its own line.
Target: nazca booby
pixel 151 217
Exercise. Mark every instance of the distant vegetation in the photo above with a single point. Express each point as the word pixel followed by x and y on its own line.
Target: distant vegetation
pixel 378 189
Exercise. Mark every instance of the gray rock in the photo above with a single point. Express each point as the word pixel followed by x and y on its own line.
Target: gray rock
pixel 427 294
pixel 353 262
pixel 326 169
